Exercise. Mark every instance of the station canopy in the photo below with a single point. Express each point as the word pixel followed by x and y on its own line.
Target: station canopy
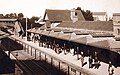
pixel 65 36
pixel 46 33
pixel 38 31
pixel 83 40
pixel 109 44
pixel 33 30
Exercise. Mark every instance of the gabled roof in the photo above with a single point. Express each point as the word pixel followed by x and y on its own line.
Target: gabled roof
pixel 42 27
pixel 65 36
pixel 62 15
pixel 101 44
pixel 83 40
pixel 54 34
pixel 73 37
pixel 107 44
pixel 46 33
pixel 90 25
pixel 39 31
pixel 28 30
pixel 33 30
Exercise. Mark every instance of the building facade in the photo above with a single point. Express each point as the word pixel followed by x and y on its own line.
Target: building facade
pixel 7 25
pixel 116 22
pixel 99 16
pixel 54 17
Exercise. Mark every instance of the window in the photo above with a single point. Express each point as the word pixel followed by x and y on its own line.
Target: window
pixel 118 31
pixel 75 14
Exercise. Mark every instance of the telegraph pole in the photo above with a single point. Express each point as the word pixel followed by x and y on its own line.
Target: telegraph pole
pixel 26 27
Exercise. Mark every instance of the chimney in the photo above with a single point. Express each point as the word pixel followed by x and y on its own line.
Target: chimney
pixel 106 16
pixel 74 15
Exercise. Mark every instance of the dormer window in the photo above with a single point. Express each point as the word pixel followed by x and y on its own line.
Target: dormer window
pixel 75 14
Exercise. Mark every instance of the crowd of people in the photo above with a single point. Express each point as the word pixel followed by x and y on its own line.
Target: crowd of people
pixel 92 61
pixel 95 63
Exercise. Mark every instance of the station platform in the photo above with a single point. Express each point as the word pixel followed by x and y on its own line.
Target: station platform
pixel 102 70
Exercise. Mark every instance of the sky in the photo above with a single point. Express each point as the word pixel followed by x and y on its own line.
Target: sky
pixel 37 7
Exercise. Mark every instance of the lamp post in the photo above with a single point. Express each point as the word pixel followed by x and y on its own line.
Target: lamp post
pixel 26 28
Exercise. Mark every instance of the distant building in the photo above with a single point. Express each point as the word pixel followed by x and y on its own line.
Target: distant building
pixel 7 22
pixel 116 22
pixel 99 16
pixel 54 17
pixel 73 20
pixel 116 18
pixel 4 23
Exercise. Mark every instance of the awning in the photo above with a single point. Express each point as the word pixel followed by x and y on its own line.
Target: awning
pixel 65 36
pixel 82 39
pixel 38 31
pixel 81 33
pixel 28 30
pixel 54 34
pixel 33 30
pixel 109 44
pixel 46 33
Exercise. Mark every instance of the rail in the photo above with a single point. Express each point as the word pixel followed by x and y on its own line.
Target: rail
pixel 29 68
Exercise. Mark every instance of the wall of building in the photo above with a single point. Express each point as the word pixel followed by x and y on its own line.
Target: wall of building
pixel 116 19
pixel 99 17
pixel 116 22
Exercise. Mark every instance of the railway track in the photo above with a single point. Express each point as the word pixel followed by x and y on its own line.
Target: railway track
pixel 34 67
pixel 29 66
pixel 51 69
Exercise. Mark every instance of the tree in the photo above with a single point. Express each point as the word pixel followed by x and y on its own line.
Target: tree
pixel 78 8
pixel 15 15
pixel 7 16
pixel 32 21
pixel 11 15
pixel 1 16
pixel 20 15
pixel 87 14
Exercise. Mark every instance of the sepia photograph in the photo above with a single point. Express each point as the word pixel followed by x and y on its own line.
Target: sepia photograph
pixel 59 37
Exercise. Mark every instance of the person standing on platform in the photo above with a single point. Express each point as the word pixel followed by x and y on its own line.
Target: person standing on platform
pixel 109 66
pixel 111 72
pixel 110 69
pixel 77 52
pixel 82 59
pixel 96 63
pixel 90 61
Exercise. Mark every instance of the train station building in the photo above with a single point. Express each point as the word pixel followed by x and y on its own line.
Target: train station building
pixel 67 32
